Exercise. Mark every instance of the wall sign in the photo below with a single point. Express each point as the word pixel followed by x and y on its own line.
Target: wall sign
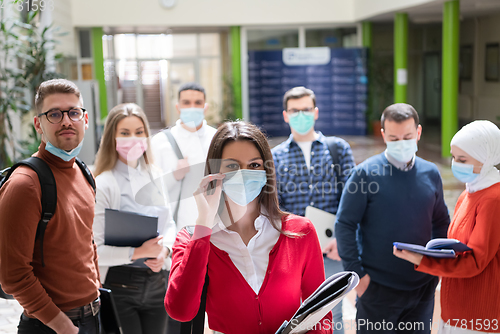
pixel 339 83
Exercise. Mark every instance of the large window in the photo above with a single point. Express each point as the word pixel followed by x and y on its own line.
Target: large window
pixel 331 37
pixel 148 69
pixel 274 39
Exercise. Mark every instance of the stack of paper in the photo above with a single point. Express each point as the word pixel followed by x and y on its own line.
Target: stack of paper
pixel 320 302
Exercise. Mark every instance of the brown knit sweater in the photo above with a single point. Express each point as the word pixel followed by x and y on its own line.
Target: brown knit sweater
pixel 70 276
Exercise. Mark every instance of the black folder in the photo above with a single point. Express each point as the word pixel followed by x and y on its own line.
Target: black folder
pixel 123 228
pixel 320 302
pixel 109 315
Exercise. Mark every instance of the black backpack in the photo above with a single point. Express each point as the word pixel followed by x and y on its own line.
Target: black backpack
pixel 49 194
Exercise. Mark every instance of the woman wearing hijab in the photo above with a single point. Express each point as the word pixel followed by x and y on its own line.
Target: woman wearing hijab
pixel 470 291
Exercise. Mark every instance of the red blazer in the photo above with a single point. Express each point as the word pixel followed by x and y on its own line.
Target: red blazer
pixel 295 270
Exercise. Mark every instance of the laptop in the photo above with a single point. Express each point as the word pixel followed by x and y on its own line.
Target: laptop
pixel 124 228
pixel 323 223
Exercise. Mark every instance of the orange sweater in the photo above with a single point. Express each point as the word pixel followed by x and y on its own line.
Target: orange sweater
pixel 70 276
pixel 470 289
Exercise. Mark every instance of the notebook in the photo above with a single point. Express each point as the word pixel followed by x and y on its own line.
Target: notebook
pixel 439 247
pixel 123 228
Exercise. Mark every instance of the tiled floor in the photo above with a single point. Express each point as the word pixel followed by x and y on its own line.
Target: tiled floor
pixel 363 147
pixel 10 311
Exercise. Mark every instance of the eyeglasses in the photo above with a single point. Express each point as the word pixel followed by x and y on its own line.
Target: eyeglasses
pixel 305 111
pixel 55 116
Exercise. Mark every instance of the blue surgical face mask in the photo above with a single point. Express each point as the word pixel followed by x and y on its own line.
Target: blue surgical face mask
pixel 402 150
pixel 244 185
pixel 190 116
pixel 463 172
pixel 64 155
pixel 301 122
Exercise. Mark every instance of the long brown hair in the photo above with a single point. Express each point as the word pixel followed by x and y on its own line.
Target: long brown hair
pixel 241 131
pixel 107 155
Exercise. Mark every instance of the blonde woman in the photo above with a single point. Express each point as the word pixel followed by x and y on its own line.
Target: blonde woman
pixel 124 167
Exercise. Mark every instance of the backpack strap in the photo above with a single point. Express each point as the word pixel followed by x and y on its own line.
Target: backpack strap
pixel 173 143
pixel 86 172
pixel 49 193
pixel 179 155
pixel 197 325
pixel 331 142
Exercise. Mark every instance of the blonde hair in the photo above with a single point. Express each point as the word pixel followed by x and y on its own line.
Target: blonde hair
pixel 107 155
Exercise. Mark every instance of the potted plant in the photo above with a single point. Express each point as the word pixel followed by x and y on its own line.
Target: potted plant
pixel 381 88
pixel 23 52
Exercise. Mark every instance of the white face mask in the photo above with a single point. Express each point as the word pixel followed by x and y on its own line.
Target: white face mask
pixel 402 150
pixel 192 116
pixel 62 154
pixel 244 185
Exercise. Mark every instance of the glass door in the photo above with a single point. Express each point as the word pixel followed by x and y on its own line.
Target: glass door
pixel 178 72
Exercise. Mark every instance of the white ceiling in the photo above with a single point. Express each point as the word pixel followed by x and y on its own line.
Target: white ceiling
pixel 433 12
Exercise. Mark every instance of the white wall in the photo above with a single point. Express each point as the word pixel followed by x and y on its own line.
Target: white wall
pixel 480 99
pixel 191 13
pixel 62 18
pixel 364 9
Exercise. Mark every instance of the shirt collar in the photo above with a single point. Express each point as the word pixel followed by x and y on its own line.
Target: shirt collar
pixel 126 170
pixel 185 133
pixel 258 224
pixel 404 166
pixel 321 139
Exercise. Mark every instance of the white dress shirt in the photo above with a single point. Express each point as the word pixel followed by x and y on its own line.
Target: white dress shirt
pixel 120 189
pixel 404 166
pixel 194 146
pixel 251 260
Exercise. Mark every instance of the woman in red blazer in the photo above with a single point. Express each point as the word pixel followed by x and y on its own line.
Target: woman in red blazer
pixel 261 262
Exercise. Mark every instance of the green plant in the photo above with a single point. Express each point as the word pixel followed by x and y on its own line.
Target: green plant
pixel 227 110
pixel 224 110
pixel 382 83
pixel 23 55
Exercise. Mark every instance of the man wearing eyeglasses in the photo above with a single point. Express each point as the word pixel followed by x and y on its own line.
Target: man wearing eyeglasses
pixel 308 175
pixel 62 292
